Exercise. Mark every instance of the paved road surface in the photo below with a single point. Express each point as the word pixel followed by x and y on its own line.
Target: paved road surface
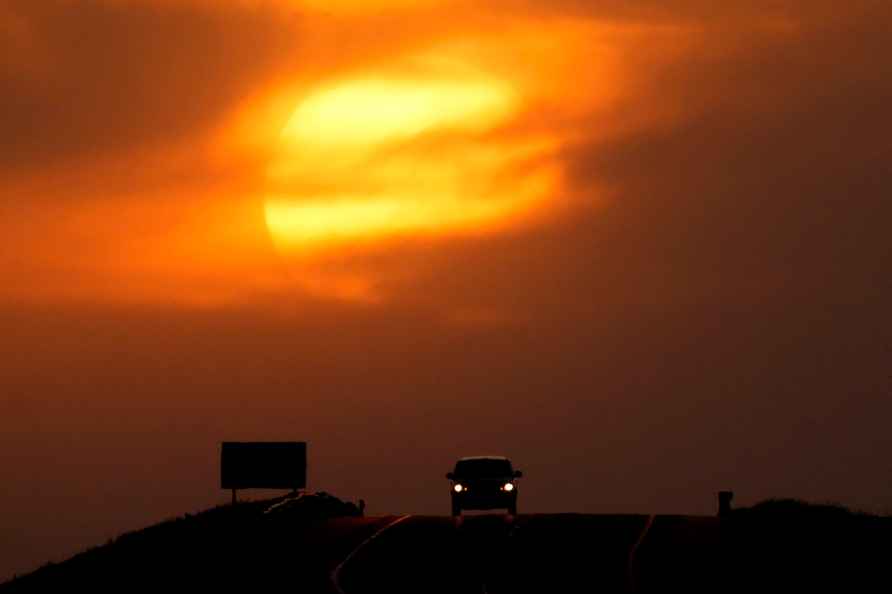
pixel 534 553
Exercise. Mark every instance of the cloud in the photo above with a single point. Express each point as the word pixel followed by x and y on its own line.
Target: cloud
pixel 743 168
pixel 702 149
pixel 89 79
pixel 770 171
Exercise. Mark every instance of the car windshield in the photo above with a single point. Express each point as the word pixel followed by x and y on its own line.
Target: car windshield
pixel 483 467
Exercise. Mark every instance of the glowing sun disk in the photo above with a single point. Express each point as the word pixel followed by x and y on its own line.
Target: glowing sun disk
pixel 343 173
pixel 369 112
pixel 320 221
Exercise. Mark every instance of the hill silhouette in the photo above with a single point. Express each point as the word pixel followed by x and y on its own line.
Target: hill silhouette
pixel 248 545
pixel 295 542
pixel 787 545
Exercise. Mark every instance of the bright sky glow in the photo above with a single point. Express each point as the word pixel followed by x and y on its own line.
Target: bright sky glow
pixel 369 158
pixel 365 113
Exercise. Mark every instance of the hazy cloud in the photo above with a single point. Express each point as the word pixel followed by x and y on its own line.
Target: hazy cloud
pixel 86 79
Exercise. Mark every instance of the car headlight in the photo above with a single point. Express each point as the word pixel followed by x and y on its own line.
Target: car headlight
pixel 508 487
pixel 458 488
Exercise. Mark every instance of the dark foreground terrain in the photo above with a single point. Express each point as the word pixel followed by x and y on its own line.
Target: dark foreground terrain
pixel 321 545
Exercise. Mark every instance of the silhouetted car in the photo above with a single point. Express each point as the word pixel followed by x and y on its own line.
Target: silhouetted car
pixel 483 482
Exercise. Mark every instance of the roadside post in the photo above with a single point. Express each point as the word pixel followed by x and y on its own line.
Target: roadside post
pixel 725 498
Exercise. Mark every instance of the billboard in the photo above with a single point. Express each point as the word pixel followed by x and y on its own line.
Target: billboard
pixel 263 465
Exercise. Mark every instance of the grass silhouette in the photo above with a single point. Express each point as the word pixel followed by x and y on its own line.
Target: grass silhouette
pixel 788 545
pixel 226 547
pixel 775 546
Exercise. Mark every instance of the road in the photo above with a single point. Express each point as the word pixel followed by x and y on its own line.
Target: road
pixel 495 553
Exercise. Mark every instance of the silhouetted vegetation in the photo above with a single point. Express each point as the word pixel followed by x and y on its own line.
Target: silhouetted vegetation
pixel 246 546
pixel 294 542
pixel 793 546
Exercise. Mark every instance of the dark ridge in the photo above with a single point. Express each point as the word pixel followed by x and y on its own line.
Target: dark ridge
pixel 295 542
pixel 792 545
pixel 220 548
pixel 792 508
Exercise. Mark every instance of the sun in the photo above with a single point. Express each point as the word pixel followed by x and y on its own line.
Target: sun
pixel 372 157
pixel 371 112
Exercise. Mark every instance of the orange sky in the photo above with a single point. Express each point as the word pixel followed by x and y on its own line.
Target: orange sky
pixel 291 134
pixel 640 246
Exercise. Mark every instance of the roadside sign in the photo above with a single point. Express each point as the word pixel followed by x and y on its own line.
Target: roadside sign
pixel 263 465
